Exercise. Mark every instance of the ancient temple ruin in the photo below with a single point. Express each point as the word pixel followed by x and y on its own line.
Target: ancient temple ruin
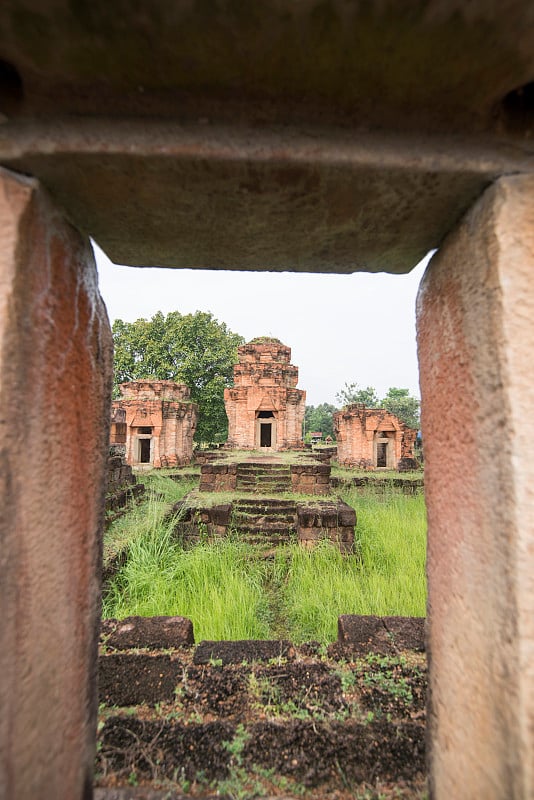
pixel 160 422
pixel 177 155
pixel 264 407
pixel 373 438
pixel 253 507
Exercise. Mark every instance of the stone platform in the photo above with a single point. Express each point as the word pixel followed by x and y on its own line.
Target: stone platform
pixel 299 472
pixel 267 500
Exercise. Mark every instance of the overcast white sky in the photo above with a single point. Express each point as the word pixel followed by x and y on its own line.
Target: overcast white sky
pixel 355 328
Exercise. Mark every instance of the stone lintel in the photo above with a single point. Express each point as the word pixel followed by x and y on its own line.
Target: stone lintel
pixel 314 186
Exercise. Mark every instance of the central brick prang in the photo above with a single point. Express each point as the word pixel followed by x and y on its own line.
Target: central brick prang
pixel 264 407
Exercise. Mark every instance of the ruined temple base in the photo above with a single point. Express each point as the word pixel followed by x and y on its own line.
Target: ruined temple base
pixel 267 521
pixel 260 504
pixel 255 471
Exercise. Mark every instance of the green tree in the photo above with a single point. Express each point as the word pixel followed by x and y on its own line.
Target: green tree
pixel 403 405
pixel 319 418
pixel 195 349
pixel 351 393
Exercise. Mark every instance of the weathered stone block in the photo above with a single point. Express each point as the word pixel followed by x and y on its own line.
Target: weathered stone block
pixel 475 340
pixel 235 652
pixel 408 633
pixel 220 515
pixel 183 512
pixel 329 518
pixel 306 516
pixel 346 514
pixel 311 534
pixel 55 362
pixel 342 534
pixel 152 632
pixel 129 679
pixel 364 633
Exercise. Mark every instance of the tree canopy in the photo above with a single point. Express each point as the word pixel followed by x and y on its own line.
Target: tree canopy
pixel 398 401
pixel 403 405
pixel 195 349
pixel 319 418
pixel 351 393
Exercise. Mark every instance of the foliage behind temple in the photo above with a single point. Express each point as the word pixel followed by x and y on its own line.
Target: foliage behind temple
pixel 195 349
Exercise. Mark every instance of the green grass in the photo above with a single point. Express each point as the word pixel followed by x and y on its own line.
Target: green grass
pixel 230 593
pixel 216 585
pixel 387 577
pixel 379 476
pixel 147 516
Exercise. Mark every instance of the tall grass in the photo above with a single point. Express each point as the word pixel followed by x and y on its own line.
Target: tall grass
pixel 387 577
pixel 392 539
pixel 230 593
pixel 216 585
pixel 147 516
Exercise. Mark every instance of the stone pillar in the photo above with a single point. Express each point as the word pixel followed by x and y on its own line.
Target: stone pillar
pixel 476 352
pixel 55 388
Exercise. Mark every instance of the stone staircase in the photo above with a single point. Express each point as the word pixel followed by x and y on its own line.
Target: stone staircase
pixel 265 520
pixel 263 477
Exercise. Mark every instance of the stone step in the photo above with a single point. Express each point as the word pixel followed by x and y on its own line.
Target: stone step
pixel 262 488
pixel 266 540
pixel 264 509
pixel 264 527
pixel 270 485
pixel 264 476
pixel 260 517
pixel 270 476
pixel 263 473
pixel 263 481
pixel 264 467
pixel 278 476
pixel 264 503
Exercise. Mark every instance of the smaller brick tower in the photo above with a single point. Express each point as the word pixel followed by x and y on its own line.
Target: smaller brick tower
pixel 372 438
pixel 264 407
pixel 160 422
